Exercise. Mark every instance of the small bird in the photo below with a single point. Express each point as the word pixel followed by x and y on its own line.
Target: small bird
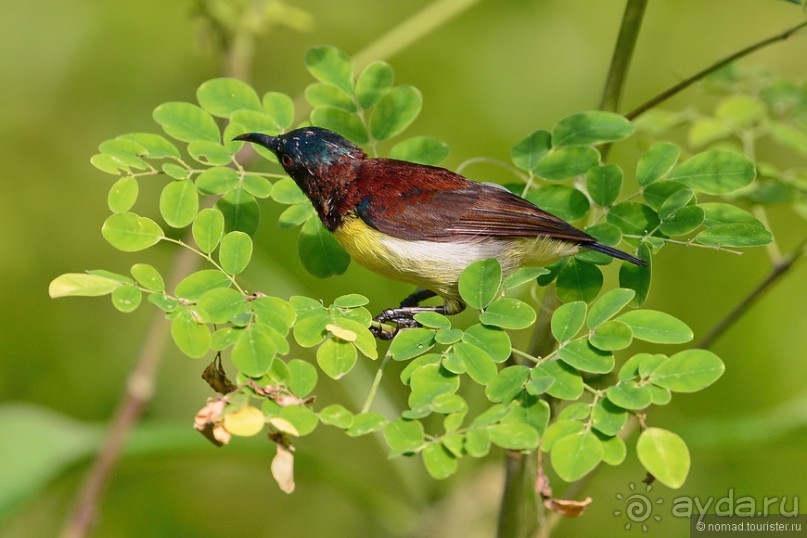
pixel 419 224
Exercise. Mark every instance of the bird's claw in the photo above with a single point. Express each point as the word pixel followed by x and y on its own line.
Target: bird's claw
pixel 401 317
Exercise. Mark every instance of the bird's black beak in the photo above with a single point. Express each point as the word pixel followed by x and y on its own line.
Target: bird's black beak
pixel 269 142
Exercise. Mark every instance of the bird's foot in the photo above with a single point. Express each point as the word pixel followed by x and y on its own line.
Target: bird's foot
pixel 402 318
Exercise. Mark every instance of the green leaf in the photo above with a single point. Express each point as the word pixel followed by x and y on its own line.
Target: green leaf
pixel 567 320
pixel 209 153
pixel 186 122
pixel 741 110
pixel 395 111
pixel 633 218
pixel 223 96
pixel 217 180
pixel 581 355
pixel 657 327
pixel 240 210
pixel 603 183
pixel 286 191
pixel 404 435
pixel 513 436
pixel 179 203
pixel 365 423
pixel 109 164
pixel 411 343
pixel 331 66
pixel 656 162
pixel 274 312
pixel 125 151
pixel 479 282
pixel 320 253
pixel 507 384
pixel 254 351
pixel 614 450
pixel 235 252
pixel 682 221
pixel 420 149
pixel 664 455
pixel 562 201
pixel 208 229
pixel 296 215
pixel 320 94
pixel 303 377
pixel 656 194
pixel 629 395
pixel 122 194
pixel 706 131
pixel 126 298
pixel 558 430
pixel 130 232
pixel 609 305
pixel 192 338
pixel 607 417
pixel 715 171
pixel 478 364
pixel 508 313
pixel 336 357
pixel 561 163
pixel 688 371
pixel 351 300
pixel 574 456
pixel 336 415
pixel 221 305
pixel 343 122
pixel 611 336
pixel 477 442
pixel 528 153
pixel 594 127
pixel 579 281
pixel 448 336
pixel 789 136
pixel 81 285
pixel 539 385
pixel 636 277
pixel 280 108
pixel 494 341
pixel 148 277
pixel 439 461
pixel 734 235
pixel 433 320
pixel 722 213
pixel 568 385
pixel 677 200
pixel 193 286
pixel 428 382
pixel 522 276
pixel 301 417
pixel 156 146
pixel 373 83
pixel 575 411
pixel 176 171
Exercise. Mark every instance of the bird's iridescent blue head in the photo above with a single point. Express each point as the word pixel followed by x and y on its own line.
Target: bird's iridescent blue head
pixel 308 152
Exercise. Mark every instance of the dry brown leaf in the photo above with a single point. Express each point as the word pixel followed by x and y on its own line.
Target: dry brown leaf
pixel 283 468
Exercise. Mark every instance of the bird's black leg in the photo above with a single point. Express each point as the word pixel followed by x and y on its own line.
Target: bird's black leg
pixel 416 297
pixel 403 316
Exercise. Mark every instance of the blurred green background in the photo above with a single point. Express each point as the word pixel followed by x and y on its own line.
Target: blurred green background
pixel 77 73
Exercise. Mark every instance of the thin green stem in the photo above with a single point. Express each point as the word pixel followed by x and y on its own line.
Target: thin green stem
pixel 689 243
pixel 525 355
pixel 623 53
pixel 207 258
pixel 673 90
pixel 376 383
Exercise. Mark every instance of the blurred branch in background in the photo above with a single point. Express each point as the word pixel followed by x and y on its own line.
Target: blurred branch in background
pixel 623 54
pixel 673 90
pixel 779 270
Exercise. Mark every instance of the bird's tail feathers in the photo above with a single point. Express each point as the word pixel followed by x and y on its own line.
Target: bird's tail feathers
pixel 614 252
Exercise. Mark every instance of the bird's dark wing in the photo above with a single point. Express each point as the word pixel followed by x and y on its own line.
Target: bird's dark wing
pixel 418 202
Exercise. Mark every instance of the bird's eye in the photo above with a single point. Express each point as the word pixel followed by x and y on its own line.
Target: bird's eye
pixel 286 160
